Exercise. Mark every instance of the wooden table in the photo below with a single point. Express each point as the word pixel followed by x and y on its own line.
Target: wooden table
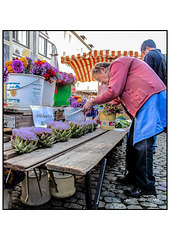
pixel 77 156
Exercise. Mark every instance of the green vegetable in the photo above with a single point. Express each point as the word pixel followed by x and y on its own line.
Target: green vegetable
pixel 120 123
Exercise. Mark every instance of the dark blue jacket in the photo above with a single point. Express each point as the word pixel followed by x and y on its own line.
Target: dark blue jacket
pixel 154 60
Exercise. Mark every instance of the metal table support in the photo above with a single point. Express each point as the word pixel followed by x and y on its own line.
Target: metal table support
pixel 89 204
pixel 88 186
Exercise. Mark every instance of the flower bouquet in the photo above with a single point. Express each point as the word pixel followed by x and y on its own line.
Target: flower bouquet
pixel 28 66
pixel 110 108
pixel 5 75
pixel 108 115
pixel 76 101
pixel 64 78
pixel 61 130
pixel 63 88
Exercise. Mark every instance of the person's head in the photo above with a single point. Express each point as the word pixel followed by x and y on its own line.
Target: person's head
pixel 147 46
pixel 100 72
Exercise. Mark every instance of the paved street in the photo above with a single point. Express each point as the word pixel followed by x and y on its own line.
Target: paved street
pixel 112 196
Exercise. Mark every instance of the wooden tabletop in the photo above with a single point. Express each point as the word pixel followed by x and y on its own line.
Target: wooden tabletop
pixel 76 156
pixel 84 157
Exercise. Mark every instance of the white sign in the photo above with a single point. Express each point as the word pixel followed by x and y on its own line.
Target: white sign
pixel 42 115
pixel 9 121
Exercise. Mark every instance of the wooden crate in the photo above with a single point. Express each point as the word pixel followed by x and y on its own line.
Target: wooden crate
pixel 22 117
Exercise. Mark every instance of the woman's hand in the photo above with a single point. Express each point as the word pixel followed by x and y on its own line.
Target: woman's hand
pixel 97 119
pixel 88 106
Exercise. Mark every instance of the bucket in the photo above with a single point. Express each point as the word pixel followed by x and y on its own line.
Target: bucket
pixel 65 185
pixel 48 93
pixel 24 90
pixel 72 114
pixel 7 198
pixel 107 121
pixel 63 93
pixel 35 197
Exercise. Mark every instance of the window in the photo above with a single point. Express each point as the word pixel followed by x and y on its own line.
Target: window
pixel 42 46
pixel 49 49
pixel 22 37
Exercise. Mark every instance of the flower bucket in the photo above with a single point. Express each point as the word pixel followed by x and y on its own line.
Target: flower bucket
pixel 63 93
pixel 48 93
pixel 35 198
pixel 107 121
pixel 72 114
pixel 7 198
pixel 24 90
pixel 65 185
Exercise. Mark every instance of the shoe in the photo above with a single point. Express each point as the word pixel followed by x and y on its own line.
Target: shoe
pixel 138 192
pixel 125 180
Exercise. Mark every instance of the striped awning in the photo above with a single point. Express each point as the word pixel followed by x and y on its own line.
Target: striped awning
pixel 82 63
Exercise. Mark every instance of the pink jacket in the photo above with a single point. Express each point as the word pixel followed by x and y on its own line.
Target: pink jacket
pixel 133 82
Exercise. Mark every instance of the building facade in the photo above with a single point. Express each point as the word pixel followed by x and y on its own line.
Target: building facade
pixel 34 44
pixel 38 45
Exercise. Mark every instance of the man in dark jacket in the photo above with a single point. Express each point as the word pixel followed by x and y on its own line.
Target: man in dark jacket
pixel 157 61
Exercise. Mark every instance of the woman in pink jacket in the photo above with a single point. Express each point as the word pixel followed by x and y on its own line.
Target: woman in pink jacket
pixel 143 95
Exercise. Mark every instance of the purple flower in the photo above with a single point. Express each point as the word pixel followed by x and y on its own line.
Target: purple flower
pixel 14 131
pixel 41 130
pixel 36 69
pixel 56 70
pixel 17 66
pixel 6 74
pixel 30 61
pixel 45 66
pixel 59 125
pixel 92 122
pixel 63 76
pixel 70 99
pixel 26 134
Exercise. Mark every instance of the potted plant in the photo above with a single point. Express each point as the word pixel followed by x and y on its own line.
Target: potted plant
pixel 63 88
pixel 74 111
pixel 108 116
pixel 28 80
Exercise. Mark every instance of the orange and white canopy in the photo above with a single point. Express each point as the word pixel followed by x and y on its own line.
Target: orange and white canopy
pixel 82 64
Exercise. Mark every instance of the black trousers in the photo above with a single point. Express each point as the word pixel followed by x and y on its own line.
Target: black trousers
pixel 139 161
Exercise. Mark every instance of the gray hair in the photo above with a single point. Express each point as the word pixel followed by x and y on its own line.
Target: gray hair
pixel 98 65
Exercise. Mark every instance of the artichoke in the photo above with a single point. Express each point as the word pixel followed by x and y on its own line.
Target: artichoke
pixel 23 140
pixel 78 128
pixel 61 130
pixel 45 137
pixel 91 125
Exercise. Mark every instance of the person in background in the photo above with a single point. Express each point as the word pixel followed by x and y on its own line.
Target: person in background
pixel 157 61
pixel 143 96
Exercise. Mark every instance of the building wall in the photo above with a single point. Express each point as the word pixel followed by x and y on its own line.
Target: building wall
pixel 15 49
pixel 68 44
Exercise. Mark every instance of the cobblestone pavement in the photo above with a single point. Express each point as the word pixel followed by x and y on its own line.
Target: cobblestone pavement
pixel 112 196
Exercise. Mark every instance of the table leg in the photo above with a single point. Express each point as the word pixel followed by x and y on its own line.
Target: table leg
pixel 99 184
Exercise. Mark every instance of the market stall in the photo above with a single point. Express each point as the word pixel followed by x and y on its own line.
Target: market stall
pixel 29 145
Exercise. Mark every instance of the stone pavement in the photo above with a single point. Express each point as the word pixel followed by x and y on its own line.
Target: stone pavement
pixel 112 196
